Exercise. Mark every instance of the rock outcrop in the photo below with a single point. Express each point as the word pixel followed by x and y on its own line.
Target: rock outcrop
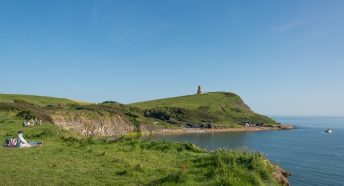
pixel 92 124
pixel 280 175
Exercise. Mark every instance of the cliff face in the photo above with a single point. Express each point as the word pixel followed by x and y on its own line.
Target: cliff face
pixel 90 124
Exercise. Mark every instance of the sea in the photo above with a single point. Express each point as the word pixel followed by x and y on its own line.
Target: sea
pixel 308 153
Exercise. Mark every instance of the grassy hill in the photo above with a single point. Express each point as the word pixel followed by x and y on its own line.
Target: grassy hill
pixel 38 100
pixel 67 158
pixel 219 107
pixel 109 118
pixel 213 100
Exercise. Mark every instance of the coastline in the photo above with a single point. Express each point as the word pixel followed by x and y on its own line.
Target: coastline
pixel 218 130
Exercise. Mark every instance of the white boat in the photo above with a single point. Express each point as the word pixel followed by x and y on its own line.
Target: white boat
pixel 328 131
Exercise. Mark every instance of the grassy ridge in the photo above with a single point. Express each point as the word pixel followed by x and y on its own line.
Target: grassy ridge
pixel 69 159
pixel 214 101
pixel 38 100
pixel 221 107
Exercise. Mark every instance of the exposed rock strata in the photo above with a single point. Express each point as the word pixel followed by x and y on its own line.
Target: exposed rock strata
pixel 90 124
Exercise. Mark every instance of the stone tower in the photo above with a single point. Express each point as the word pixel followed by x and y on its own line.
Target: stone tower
pixel 199 90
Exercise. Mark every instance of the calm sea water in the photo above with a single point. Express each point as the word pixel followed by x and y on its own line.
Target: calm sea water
pixel 313 157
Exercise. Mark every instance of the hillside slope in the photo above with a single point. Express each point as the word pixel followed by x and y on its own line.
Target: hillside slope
pixel 218 107
pixel 104 119
pixel 38 100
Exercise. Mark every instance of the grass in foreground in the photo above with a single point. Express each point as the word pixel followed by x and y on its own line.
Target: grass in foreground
pixel 68 159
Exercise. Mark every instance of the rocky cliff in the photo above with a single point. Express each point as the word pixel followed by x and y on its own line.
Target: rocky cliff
pixel 89 124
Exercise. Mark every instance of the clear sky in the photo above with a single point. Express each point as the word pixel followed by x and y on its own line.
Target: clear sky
pixel 282 57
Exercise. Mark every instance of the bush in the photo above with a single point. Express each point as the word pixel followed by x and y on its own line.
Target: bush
pixel 28 115
pixel 109 102
pixel 169 114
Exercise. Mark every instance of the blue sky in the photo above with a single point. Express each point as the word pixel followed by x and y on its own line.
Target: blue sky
pixel 281 57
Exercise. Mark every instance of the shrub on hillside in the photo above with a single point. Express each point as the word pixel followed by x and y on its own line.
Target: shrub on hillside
pixel 28 115
pixel 169 114
pixel 109 102
pixel 176 115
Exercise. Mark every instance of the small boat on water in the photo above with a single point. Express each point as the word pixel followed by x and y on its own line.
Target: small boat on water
pixel 328 131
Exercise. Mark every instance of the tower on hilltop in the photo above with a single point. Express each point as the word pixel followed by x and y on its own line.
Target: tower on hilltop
pixel 199 90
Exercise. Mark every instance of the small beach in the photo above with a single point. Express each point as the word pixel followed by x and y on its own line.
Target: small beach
pixel 219 130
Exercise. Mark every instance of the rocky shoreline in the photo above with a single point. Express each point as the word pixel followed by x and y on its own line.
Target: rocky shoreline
pixel 217 130
pixel 281 175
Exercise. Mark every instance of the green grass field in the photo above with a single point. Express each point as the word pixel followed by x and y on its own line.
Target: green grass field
pixel 213 100
pixel 69 159
pixel 38 100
